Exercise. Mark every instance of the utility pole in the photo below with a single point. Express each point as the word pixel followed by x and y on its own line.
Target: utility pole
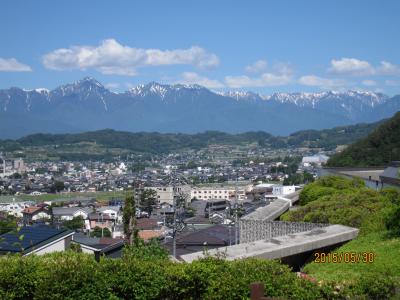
pixel 174 225
pixel 236 208
pixel 102 225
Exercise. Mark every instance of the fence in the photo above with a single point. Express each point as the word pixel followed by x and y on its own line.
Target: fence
pixel 254 230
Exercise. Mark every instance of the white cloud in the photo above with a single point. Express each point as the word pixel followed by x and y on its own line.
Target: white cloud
pixel 110 57
pixel 356 67
pixel 194 78
pixel 258 67
pixel 351 66
pixel 369 82
pixel 13 65
pixel 282 68
pixel 326 83
pixel 387 68
pixel 266 79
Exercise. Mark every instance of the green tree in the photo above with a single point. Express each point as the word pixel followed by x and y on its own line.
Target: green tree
pixel 7 224
pixel 392 222
pixel 75 223
pixel 129 220
pixel 57 186
pixel 148 199
pixel 99 232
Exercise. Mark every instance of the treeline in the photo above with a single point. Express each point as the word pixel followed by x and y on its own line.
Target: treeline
pixel 378 149
pixel 156 143
pixel 71 275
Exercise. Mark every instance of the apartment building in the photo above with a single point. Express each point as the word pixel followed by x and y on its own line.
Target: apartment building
pixel 227 193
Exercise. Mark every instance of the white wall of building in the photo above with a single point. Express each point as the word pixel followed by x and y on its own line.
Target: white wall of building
pixel 56 246
pixel 217 193
pixel 283 189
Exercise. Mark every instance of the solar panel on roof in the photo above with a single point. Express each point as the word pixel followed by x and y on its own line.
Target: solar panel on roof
pixel 27 237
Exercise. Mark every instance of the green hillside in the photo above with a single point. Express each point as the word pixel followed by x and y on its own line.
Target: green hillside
pixel 379 148
pixel 338 200
pixel 108 143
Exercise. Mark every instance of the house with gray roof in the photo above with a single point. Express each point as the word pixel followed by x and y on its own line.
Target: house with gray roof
pixel 68 213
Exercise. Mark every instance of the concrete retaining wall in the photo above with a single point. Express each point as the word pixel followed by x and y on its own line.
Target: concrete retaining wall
pixel 254 230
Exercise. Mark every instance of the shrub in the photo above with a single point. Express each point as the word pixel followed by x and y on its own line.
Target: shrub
pixel 327 186
pixel 392 221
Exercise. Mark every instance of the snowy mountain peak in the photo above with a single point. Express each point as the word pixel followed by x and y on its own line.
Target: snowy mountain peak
pixel 152 88
pixel 43 91
pixel 88 80
pixel 161 90
pixel 241 95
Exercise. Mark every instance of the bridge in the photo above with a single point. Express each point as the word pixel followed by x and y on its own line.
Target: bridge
pixel 273 210
pixel 292 242
pixel 285 246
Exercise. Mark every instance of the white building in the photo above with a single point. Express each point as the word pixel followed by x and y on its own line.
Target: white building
pixel 68 213
pixel 228 193
pixel 15 208
pixel 19 165
pixel 113 211
pixel 165 194
pixel 315 159
pixel 283 189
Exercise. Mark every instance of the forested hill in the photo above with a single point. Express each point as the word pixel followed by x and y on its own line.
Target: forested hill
pixel 152 142
pixel 379 148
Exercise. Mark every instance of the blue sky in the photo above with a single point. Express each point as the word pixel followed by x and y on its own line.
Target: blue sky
pixel 263 46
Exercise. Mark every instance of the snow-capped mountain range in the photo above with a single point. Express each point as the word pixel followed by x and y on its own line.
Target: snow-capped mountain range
pixel 87 105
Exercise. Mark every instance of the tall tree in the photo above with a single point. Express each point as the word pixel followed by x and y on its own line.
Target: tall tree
pixel 129 220
pixel 148 199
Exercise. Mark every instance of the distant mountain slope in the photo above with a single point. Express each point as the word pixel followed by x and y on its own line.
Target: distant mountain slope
pixel 379 148
pixel 86 105
pixel 153 142
pixel 330 138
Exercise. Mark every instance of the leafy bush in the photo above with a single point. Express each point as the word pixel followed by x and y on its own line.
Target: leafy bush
pixel 71 275
pixel 392 221
pixel 337 200
pixel 327 186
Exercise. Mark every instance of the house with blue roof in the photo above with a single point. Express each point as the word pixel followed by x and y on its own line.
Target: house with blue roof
pixel 37 239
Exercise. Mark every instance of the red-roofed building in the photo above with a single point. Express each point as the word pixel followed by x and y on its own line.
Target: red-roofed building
pixel 35 213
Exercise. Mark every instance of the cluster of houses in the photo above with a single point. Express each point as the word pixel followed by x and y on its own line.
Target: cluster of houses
pixel 93 216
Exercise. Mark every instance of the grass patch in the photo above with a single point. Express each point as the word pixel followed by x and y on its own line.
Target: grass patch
pixel 386 262
pixel 100 196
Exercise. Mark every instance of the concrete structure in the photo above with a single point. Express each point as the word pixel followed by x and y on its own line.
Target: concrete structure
pixel 253 230
pixel 165 194
pixel 391 175
pixel 284 246
pixel 269 212
pixel 19 166
pixel 280 190
pixel 227 193
pixel 318 159
pixel 3 167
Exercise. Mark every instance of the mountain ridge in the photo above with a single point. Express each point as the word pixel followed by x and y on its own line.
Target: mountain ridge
pixel 87 105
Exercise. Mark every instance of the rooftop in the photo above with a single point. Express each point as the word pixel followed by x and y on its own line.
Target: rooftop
pixel 29 238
